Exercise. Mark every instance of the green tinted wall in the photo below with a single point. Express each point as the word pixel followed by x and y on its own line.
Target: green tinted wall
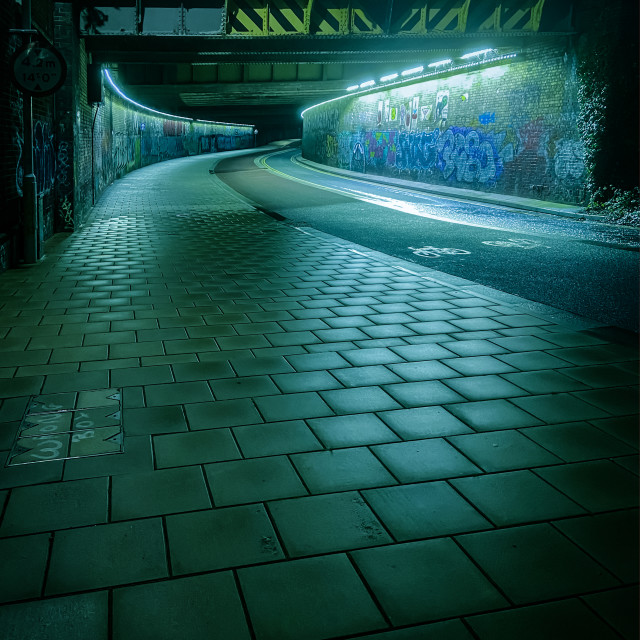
pixel 507 127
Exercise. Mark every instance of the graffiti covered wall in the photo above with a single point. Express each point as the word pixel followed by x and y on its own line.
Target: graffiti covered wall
pixel 508 128
pixel 12 136
pixel 126 138
pixel 97 143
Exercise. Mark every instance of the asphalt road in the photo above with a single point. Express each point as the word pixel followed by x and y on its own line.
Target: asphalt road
pixel 587 268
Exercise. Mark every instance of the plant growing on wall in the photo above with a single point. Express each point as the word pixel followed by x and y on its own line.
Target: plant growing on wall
pixel 608 97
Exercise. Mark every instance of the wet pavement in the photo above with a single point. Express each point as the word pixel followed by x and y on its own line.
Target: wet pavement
pixel 584 267
pixel 214 424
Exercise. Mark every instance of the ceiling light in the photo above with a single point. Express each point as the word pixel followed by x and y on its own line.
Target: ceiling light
pixel 439 63
pixel 391 76
pixel 475 53
pixel 368 83
pixel 353 87
pixel 119 91
pixel 409 72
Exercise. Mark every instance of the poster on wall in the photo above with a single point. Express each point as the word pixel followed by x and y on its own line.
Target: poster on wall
pixel 394 114
pixel 380 107
pixel 425 112
pixel 387 108
pixel 403 113
pixel 442 105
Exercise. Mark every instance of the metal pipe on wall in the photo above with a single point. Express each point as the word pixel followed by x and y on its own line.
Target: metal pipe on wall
pixel 93 170
pixel 29 185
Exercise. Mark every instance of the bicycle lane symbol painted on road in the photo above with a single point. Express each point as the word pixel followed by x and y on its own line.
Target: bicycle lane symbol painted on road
pixel 519 243
pixel 438 252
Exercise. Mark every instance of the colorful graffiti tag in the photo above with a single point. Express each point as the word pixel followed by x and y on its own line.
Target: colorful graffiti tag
pixel 44 159
pixel 125 140
pixel 527 159
pixel 461 154
pixel 469 155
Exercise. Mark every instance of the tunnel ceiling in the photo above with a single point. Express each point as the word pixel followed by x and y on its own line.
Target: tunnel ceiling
pixel 262 61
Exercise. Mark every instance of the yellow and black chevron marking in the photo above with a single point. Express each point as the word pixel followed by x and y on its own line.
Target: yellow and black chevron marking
pixel 329 19
pixel 247 17
pixel 525 17
pixel 492 21
pixel 448 15
pixel 289 17
pixel 414 22
pixel 360 23
pixel 341 17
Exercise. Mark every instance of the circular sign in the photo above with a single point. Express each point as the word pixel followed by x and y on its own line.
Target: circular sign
pixel 38 69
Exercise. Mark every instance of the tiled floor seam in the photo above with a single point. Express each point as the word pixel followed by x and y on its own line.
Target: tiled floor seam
pixel 582 598
pixel 370 591
pixel 245 606
pixel 479 568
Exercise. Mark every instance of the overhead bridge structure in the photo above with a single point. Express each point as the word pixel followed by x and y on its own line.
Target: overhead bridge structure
pixel 263 61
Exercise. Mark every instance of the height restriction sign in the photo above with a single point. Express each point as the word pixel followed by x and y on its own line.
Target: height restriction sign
pixel 38 69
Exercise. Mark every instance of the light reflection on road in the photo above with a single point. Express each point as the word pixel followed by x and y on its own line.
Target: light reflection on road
pixel 452 210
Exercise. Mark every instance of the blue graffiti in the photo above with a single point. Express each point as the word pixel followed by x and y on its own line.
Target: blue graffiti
pixel 487 118
pixel 417 150
pixel 468 155
pixel 462 154
pixel 358 158
pixel 44 157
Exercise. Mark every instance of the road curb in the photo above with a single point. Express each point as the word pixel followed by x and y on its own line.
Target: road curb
pixel 539 206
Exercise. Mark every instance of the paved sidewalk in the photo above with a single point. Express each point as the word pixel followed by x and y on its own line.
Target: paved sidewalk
pixel 300 440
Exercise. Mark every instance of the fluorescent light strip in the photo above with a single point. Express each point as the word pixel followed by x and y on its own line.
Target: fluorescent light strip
pixel 353 87
pixel 424 77
pixel 391 76
pixel 119 91
pixel 475 53
pixel 368 83
pixel 439 63
pixel 409 72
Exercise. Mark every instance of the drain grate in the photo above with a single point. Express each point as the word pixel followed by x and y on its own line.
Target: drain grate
pixel 69 425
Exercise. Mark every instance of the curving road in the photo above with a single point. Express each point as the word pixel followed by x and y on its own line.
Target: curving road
pixel 587 268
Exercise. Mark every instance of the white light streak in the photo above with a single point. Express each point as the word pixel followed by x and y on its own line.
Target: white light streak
pixel 475 53
pixel 409 72
pixel 432 74
pixel 119 91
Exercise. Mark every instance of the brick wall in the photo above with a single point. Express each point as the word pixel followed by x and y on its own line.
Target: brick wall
pixel 10 117
pixel 100 143
pixel 126 138
pixel 68 106
pixel 12 139
pixel 508 128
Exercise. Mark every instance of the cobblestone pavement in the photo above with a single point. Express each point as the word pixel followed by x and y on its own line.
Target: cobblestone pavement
pixel 216 425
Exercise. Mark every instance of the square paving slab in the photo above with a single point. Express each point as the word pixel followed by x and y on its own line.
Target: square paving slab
pixel 554 566
pixel 420 581
pixel 106 555
pixel 221 539
pixel 424 510
pixel 326 523
pixel 306 599
pixel 188 608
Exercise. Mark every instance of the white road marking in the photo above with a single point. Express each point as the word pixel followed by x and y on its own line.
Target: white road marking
pixel 437 252
pixel 520 243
